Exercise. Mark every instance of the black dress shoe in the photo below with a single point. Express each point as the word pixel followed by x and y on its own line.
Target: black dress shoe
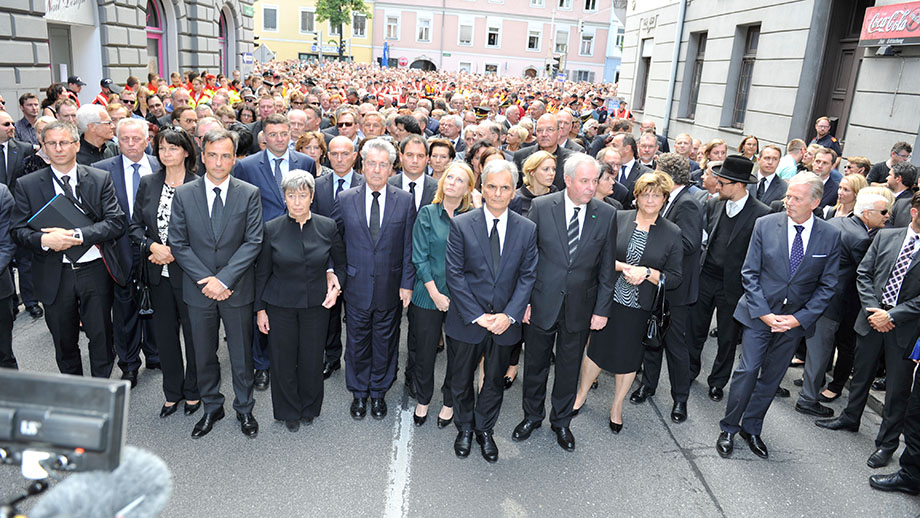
pixel 725 445
pixel 358 408
pixel 523 430
pixel 714 332
pixel 615 427
pixel 815 409
pixel 191 409
pixel 824 399
pixel 679 412
pixel 576 411
pixel 248 424
pixel 838 423
pixel 307 420
pixel 564 437
pixel 509 381
pixel 167 411
pixel 292 425
pixel 715 393
pixel 154 366
pixel 463 443
pixel 782 392
pixel 35 311
pixel 640 395
pixel 880 384
pixel 419 419
pixel 330 367
pixel 442 423
pixel 894 482
pixel 799 382
pixel 487 446
pixel 207 421
pixel 130 376
pixel 378 408
pixel 261 379
pixel 880 457
pixel 755 443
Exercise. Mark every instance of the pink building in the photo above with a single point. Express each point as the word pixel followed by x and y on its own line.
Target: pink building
pixel 504 37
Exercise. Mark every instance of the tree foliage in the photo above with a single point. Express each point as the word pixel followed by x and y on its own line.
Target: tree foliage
pixel 339 14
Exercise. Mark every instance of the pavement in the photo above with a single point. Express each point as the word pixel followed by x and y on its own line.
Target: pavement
pixel 341 467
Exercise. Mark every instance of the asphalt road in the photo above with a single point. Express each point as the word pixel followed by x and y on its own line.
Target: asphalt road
pixel 342 467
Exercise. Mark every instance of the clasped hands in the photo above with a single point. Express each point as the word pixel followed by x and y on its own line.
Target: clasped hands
pixel 213 289
pixel 59 239
pixel 780 323
pixel 160 254
pixel 597 322
pixel 495 323
pixel 634 275
pixel 880 320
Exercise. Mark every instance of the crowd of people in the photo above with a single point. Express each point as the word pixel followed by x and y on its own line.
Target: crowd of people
pixel 516 221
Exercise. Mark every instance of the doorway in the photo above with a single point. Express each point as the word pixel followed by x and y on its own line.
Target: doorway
pixel 61 57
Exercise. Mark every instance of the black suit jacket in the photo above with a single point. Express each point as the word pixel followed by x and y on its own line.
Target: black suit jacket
pixel 830 192
pixel 663 146
pixel 520 156
pixel 900 211
pixel 144 224
pixel 584 283
pixel 776 191
pixel 573 146
pixel 663 251
pixel 291 268
pixel 34 190
pixel 635 172
pixel 429 188
pixel 732 256
pixel 854 241
pixel 7 248
pixel 324 192
pixel 230 254
pixel 687 213
pixel 17 151
pixel 871 277
pixel 254 128
pixel 474 288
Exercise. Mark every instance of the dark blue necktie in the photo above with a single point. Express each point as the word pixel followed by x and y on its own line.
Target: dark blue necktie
pixel 798 251
pixel 135 180
pixel 278 171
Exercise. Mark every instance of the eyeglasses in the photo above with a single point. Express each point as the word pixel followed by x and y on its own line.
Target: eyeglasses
pixel 105 123
pixel 904 157
pixel 883 212
pixel 61 144
pixel 345 124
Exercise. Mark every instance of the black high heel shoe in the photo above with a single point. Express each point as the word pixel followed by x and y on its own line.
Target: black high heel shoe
pixel 615 427
pixel 419 419
pixel 191 409
pixel 167 411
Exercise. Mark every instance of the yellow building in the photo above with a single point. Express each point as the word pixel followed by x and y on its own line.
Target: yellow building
pixel 290 30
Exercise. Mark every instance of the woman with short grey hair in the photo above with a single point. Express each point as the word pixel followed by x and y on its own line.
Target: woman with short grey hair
pixel 293 295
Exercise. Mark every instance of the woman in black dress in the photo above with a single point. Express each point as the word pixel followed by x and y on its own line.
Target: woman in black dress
pixel 648 246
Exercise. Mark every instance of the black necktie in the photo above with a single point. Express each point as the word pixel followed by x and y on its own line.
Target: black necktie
pixel 3 163
pixel 496 246
pixel 375 217
pixel 278 171
pixel 135 180
pixel 68 190
pixel 622 174
pixel 573 234
pixel 217 212
pixel 340 188
pixel 412 192
pixel 761 188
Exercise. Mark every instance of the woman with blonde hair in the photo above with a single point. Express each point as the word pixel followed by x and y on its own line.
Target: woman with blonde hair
pixel 850 186
pixel 715 150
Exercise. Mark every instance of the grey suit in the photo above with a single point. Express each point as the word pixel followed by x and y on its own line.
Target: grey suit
pixel 900 211
pixel 429 188
pixel 229 256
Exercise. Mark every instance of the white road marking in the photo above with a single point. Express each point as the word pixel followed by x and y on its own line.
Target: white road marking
pixel 398 487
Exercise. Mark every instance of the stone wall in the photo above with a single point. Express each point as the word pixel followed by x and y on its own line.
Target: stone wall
pixel 24 57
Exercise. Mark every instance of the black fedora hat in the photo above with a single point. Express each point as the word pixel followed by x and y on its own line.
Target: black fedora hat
pixel 735 168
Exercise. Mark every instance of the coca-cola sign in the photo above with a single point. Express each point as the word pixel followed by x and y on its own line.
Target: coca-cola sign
pixel 896 24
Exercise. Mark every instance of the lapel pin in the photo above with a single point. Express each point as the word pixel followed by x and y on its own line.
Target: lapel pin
pixel 593 216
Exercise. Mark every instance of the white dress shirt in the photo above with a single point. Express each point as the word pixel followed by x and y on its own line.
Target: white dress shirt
pixel 806 233
pixel 625 172
pixel 210 194
pixel 419 187
pixel 127 165
pixel 285 162
pixel 369 198
pixel 93 253
pixel 766 184
pixel 733 208
pixel 502 226
pixel 570 209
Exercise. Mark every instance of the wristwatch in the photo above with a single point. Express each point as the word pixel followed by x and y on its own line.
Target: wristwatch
pixel 648 272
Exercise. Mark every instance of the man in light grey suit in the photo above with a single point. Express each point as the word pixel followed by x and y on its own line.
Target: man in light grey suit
pixel 215 233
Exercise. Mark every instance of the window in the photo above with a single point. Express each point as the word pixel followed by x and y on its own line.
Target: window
pixel 587 45
pixel 537 3
pixel 465 35
pixel 697 75
pixel 156 38
pixel 584 75
pixel 562 42
pixel 465 67
pixel 590 5
pixel 565 4
pixel 493 37
pixel 334 30
pixel 359 26
pixel 222 41
pixel 533 40
pixel 424 30
pixel 621 36
pixel 392 27
pixel 491 69
pixel 643 65
pixel 307 21
pixel 744 80
pixel 269 18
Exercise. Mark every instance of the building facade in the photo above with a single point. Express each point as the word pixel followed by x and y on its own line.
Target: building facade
pixel 290 30
pixel 41 42
pixel 502 37
pixel 769 68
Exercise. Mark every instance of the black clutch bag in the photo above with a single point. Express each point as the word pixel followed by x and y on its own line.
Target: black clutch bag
pixel 658 321
pixel 141 286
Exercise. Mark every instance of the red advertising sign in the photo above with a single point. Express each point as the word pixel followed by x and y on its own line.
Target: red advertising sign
pixel 896 24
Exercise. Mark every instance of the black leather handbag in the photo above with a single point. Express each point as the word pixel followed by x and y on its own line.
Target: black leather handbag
pixel 141 286
pixel 659 320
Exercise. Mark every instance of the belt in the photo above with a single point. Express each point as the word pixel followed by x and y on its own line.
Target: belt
pixel 77 266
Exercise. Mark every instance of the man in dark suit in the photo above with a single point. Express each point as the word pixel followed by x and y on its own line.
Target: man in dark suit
pixel 888 282
pixel 376 221
pixel 450 128
pixel 729 225
pixel 769 186
pixel 648 151
pixel 576 236
pixel 789 276
pixel 342 157
pixel 821 166
pixel 7 290
pixel 413 156
pixel 547 131
pixel 565 118
pixel 215 233
pixel 649 126
pixel 126 170
pixel 265 108
pixel 12 156
pixel 491 270
pixel 80 290
pixel 856 230
pixel 906 479
pixel 630 168
pixel 685 211
pixel 901 180
pixel 265 170
pixel 611 157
